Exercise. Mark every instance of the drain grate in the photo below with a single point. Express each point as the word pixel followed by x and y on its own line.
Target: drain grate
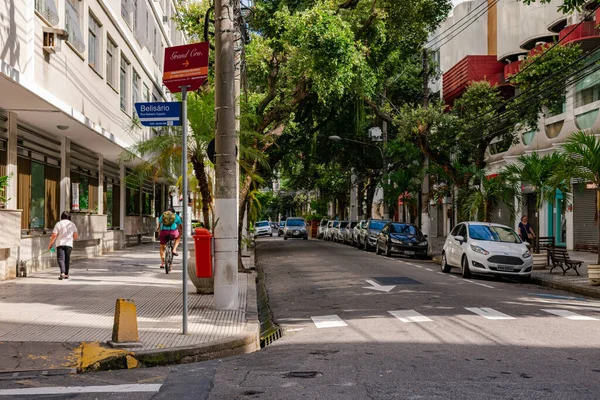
pixel 302 374
pixel 396 280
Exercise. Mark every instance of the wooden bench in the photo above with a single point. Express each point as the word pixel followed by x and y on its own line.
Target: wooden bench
pixel 544 243
pixel 560 258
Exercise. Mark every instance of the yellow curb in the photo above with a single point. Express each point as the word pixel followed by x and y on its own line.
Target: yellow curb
pixel 91 353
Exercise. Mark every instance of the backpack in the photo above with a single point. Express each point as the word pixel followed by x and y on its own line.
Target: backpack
pixel 168 218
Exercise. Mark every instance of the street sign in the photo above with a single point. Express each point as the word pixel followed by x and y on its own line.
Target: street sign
pixel 186 65
pixel 159 114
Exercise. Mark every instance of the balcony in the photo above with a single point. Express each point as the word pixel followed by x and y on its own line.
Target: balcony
pixel 471 69
pixel 512 68
pixel 587 31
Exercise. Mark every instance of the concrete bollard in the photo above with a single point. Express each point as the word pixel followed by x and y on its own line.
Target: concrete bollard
pixel 125 328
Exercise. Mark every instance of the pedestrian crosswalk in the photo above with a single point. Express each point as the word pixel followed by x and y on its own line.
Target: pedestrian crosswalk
pixel 413 316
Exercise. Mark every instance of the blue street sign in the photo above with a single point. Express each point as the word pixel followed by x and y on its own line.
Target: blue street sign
pixel 159 114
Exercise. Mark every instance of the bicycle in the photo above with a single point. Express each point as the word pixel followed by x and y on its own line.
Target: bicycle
pixel 169 254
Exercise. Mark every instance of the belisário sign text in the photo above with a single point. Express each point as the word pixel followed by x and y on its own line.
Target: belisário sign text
pixel 186 65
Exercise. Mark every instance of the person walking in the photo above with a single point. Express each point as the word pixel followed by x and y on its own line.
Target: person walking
pixel 169 225
pixel 63 234
pixel 526 231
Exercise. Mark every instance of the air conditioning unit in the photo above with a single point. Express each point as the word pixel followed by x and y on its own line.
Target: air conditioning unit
pixel 52 38
pixel 375 134
pixel 522 57
pixel 573 19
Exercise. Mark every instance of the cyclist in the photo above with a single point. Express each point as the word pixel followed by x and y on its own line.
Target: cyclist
pixel 169 226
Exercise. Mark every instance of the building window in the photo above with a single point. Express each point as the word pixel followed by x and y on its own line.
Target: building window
pixel 135 15
pixel 135 88
pixel 111 62
pixel 132 205
pixel 94 42
pixel 125 5
pixel 146 93
pixel 123 75
pixel 155 47
pixel 38 195
pixel 108 205
pixel 73 25
pixel 84 193
pixel 48 10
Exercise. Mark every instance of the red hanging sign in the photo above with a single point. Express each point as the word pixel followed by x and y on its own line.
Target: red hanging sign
pixel 186 65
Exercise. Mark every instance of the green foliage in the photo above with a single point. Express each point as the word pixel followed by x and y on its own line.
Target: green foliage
pixel 566 7
pixel 582 152
pixel 4 180
pixel 483 195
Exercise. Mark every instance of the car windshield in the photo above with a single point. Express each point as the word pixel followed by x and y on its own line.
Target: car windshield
pixel 492 233
pixel 295 222
pixel 343 224
pixel 262 223
pixel 336 224
pixel 378 225
pixel 282 223
pixel 404 229
pixel 323 223
pixel 353 224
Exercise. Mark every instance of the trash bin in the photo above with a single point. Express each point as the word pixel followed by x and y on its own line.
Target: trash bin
pixel 202 246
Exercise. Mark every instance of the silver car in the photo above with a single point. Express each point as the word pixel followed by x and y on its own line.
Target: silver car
pixel 348 236
pixel 322 228
pixel 357 231
pixel 340 233
pixel 263 228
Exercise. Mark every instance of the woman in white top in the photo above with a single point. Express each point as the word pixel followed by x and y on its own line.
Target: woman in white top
pixel 63 234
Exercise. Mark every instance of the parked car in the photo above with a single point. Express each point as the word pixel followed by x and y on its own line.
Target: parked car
pixel 332 227
pixel 295 228
pixel 322 228
pixel 340 234
pixel 356 232
pixel 274 226
pixel 486 248
pixel 401 238
pixel 280 228
pixel 369 234
pixel 350 232
pixel 262 228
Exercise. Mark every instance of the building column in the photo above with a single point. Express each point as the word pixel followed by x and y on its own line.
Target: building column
pixel 65 174
pixel 163 195
pixel 122 195
pixel 11 162
pixel 141 200
pixel 100 200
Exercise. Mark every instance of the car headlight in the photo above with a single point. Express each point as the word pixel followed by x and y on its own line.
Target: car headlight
pixel 396 241
pixel 423 243
pixel 527 254
pixel 303 229
pixel 479 250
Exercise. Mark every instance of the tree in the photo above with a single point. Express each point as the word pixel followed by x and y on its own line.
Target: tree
pixel 582 151
pixel 545 174
pixel 484 194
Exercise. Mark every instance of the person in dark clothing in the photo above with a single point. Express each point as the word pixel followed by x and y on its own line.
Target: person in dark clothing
pixel 63 234
pixel 525 230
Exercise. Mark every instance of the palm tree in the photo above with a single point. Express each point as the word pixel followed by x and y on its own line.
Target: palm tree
pixel 582 152
pixel 544 173
pixel 483 195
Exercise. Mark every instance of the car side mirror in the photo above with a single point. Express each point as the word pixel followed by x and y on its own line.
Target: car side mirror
pixel 425 236
pixel 459 238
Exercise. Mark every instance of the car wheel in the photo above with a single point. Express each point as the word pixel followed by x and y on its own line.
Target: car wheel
pixel 366 245
pixel 466 271
pixel 284 238
pixel 305 238
pixel 271 234
pixel 388 251
pixel 525 279
pixel 445 266
pixel 377 248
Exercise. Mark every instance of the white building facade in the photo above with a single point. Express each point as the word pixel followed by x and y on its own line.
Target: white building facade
pixel 70 73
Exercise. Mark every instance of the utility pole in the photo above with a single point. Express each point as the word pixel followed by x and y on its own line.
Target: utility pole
pixel 226 194
pixel 425 220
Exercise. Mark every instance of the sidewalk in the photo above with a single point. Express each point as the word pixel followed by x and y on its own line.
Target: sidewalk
pixel 571 281
pixel 41 309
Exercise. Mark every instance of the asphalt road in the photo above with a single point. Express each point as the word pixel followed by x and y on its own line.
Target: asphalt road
pixel 348 334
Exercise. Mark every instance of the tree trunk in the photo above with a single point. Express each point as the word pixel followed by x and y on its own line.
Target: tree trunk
pixel 598 222
pixel 205 190
pixel 359 199
pixel 371 187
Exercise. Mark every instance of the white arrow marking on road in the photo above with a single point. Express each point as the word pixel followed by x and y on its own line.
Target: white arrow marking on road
pixel 409 316
pixel 569 315
pixel 377 286
pixel 328 321
pixel 489 313
pixel 81 389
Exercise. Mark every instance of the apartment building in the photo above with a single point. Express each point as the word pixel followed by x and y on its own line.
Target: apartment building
pixel 70 73
pixel 488 40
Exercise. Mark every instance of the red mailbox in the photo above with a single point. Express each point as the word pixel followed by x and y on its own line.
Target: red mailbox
pixel 202 245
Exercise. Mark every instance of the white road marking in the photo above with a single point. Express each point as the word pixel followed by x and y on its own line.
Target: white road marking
pixel 409 316
pixel 480 284
pixel 429 269
pixel 569 315
pixel 489 313
pixel 377 286
pixel 81 389
pixel 328 321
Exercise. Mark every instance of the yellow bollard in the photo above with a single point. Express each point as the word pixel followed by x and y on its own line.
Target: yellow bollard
pixel 125 328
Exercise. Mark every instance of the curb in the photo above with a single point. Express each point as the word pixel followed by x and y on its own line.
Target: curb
pixel 246 342
pixel 566 287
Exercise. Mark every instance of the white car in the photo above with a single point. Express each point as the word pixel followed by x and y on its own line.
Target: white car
pixel 486 248
pixel 263 228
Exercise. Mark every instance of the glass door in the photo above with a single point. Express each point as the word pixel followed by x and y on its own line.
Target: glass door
pixel 557 224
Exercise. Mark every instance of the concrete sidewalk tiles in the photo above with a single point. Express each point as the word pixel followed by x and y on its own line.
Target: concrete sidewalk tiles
pixel 41 308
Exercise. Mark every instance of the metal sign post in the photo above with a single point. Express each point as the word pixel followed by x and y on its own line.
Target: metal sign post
pixel 184 178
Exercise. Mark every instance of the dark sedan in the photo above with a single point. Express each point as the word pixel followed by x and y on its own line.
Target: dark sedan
pixel 402 238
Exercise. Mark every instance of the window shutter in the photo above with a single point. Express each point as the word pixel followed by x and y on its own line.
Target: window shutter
pixel 140 31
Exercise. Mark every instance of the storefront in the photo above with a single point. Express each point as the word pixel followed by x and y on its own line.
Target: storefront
pixel 585 232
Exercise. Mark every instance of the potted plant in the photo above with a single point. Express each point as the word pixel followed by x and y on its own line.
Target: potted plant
pixel 582 152
pixel 545 175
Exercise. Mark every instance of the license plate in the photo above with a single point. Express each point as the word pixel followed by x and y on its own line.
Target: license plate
pixel 505 268
pixel 409 252
pixel 296 232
